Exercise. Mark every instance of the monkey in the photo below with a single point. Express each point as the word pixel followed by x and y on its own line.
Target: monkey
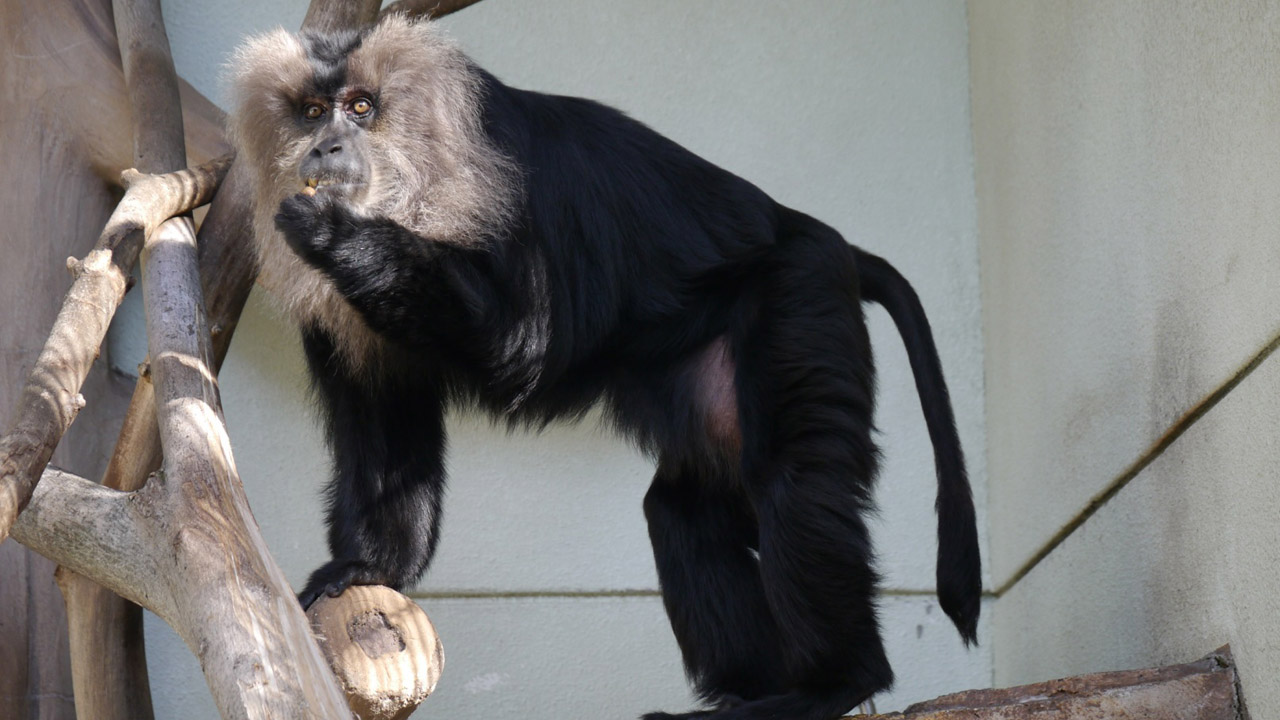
pixel 444 240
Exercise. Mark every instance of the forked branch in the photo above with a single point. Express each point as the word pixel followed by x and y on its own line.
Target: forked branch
pixel 51 397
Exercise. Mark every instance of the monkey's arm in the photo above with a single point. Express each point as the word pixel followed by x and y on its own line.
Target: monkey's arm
pixel 385 498
pixel 409 288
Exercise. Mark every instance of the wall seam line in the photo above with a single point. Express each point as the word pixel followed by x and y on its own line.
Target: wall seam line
pixel 1170 436
pixel 589 594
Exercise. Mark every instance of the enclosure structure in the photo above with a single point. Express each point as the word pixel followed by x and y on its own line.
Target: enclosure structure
pixel 1126 157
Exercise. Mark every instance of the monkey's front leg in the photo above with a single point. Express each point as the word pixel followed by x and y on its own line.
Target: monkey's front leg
pixel 408 288
pixel 385 498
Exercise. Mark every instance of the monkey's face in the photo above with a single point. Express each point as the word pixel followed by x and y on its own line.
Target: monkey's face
pixel 338 159
pixel 308 118
pixel 388 119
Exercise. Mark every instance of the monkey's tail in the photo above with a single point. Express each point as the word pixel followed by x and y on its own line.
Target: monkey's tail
pixel 959 571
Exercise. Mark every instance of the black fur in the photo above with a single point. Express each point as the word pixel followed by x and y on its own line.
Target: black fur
pixel 633 261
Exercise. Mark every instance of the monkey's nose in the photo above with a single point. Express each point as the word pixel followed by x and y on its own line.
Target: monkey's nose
pixel 321 151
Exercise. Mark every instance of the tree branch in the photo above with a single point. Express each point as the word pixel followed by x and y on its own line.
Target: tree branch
pixel 426 8
pixel 194 553
pixel 92 530
pixel 51 397
pixel 231 600
pixel 108 652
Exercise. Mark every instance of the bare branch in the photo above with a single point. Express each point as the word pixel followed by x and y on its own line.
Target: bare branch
pixel 231 601
pixel 227 270
pixel 426 8
pixel 152 82
pixel 331 15
pixel 51 397
pixel 90 529
pixel 108 654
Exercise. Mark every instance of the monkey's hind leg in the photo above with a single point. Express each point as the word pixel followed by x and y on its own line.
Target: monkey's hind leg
pixel 704 538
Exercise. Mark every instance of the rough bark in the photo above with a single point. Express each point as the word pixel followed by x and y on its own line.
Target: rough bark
pixel 108 653
pixel 108 645
pixel 111 643
pixel 51 398
pixel 111 674
pixel 185 545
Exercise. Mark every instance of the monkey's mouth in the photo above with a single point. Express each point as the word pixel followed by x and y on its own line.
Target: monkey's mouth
pixel 341 186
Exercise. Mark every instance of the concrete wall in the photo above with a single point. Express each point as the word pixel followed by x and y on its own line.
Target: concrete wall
pixel 1127 169
pixel 543 590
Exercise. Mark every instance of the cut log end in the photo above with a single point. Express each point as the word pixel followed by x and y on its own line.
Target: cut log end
pixel 382 647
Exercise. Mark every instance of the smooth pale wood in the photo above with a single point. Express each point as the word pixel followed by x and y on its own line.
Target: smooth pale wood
pixel 185 545
pixel 51 398
pixel 382 647
pixel 227 272
pixel 232 604
pixel 108 651
pixel 253 703
pixel 108 656
pixel 217 537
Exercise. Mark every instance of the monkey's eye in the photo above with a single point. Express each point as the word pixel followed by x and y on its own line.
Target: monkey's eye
pixel 313 111
pixel 361 106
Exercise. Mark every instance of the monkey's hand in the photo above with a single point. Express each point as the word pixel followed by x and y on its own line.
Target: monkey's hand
pixel 316 225
pixel 334 577
pixel 393 277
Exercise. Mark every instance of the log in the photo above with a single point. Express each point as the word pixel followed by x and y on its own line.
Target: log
pixel 111 641
pixel 1202 690
pixel 382 647
pixel 195 556
pixel 185 545
pixel 108 648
